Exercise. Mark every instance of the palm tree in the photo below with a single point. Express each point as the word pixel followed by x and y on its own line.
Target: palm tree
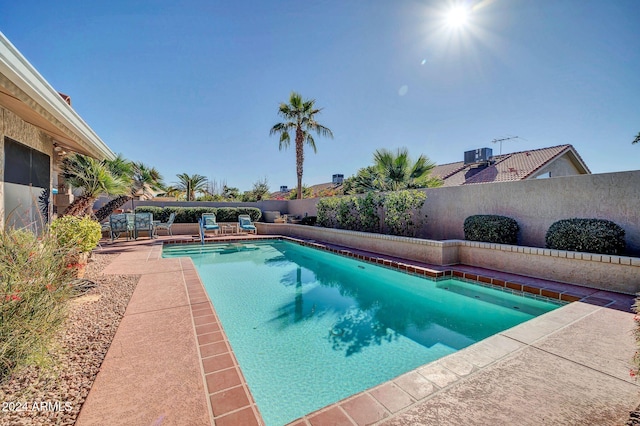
pixel 300 117
pixel 637 139
pixel 143 182
pixel 93 177
pixel 189 185
pixel 399 172
pixel 393 172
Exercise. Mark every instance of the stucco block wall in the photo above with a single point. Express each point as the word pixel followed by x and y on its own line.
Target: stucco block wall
pixel 436 252
pixel 613 273
pixel 306 205
pixel 535 204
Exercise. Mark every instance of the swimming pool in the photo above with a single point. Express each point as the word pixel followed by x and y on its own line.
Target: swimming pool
pixel 310 328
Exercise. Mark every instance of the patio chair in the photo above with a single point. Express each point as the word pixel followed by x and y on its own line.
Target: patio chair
pixel 119 223
pixel 167 225
pixel 143 222
pixel 245 224
pixel 105 227
pixel 208 223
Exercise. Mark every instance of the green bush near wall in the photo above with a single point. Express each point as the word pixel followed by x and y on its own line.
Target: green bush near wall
pixel 396 213
pixel 489 228
pixel 193 214
pixel 586 235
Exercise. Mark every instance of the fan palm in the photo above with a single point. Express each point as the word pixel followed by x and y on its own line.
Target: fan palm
pixel 143 182
pixel 189 185
pixel 399 172
pixel 300 118
pixel 392 172
pixel 93 177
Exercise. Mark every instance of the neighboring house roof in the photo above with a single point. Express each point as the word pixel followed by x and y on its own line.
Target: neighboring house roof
pixel 509 167
pixel 27 94
pixel 316 190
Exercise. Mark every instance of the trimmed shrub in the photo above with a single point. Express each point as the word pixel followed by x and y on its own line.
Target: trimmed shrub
pixel 81 232
pixel 226 214
pixel 368 207
pixel 157 212
pixel 309 220
pixel 347 213
pixel 33 290
pixel 490 228
pixel 253 212
pixel 327 212
pixel 193 214
pixel 402 212
pixel 586 235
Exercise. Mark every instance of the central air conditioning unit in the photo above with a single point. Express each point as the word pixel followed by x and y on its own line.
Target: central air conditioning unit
pixel 481 155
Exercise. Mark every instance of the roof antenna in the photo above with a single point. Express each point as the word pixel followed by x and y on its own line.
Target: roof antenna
pixel 502 140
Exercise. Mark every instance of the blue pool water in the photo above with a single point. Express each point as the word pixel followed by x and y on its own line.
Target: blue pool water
pixel 310 328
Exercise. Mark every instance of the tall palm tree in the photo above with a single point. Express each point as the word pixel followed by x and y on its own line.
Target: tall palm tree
pixel 93 177
pixel 143 182
pixel 637 139
pixel 189 185
pixel 300 117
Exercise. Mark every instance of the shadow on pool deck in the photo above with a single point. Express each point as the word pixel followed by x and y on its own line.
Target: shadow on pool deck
pixel 170 363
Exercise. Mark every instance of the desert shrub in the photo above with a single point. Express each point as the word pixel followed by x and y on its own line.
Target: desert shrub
pixel 402 212
pixel 586 235
pixel 327 212
pixel 82 232
pixel 491 228
pixel 33 289
pixel 309 220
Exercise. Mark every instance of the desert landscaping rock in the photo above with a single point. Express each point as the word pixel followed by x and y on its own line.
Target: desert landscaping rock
pixel 35 396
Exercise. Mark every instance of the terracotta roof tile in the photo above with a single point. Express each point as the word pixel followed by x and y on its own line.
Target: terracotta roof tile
pixel 517 165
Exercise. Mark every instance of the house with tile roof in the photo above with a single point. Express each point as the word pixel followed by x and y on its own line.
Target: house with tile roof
pixel 480 166
pixel 38 127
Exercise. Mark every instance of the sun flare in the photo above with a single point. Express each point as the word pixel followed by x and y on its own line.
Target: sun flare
pixel 457 17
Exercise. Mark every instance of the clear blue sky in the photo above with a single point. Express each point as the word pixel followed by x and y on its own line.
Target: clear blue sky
pixel 194 86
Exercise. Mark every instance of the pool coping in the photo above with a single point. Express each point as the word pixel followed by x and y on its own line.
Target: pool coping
pixel 230 401
pixel 374 404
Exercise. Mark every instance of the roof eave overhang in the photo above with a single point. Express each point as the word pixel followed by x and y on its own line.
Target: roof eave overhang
pixel 26 93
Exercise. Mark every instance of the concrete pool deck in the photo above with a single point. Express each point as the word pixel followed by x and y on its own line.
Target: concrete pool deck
pixel 170 363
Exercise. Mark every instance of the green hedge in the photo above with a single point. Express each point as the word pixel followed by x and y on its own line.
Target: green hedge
pixel 192 214
pixel 489 228
pixel 396 213
pixel 586 235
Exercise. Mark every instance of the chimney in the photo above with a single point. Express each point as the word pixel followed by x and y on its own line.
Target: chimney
pixel 284 188
pixel 66 98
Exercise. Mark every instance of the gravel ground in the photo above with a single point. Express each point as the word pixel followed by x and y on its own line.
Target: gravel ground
pixel 54 396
